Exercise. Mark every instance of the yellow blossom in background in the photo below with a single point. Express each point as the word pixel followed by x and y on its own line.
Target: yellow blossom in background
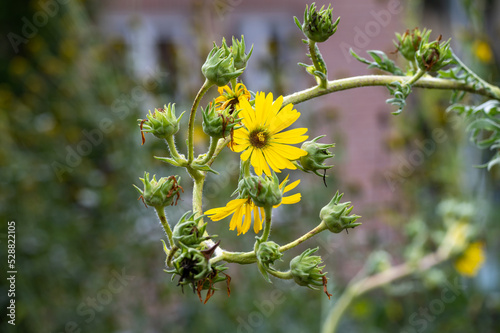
pixel 469 263
pixel 262 140
pixel 244 208
pixel 482 50
pixel 230 98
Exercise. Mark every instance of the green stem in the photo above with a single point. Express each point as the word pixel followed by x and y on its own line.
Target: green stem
pixel 245 258
pixel 220 145
pixel 204 88
pixel 173 149
pixel 318 229
pixel 160 211
pixel 358 288
pixel 199 180
pixel 315 59
pixel 213 146
pixel 383 80
pixel 415 77
pixel 267 224
pixel 171 255
pixel 493 88
pixel 279 274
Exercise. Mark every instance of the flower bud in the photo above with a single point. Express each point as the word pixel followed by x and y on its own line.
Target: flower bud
pixel 317 153
pixel 162 123
pixel 237 50
pixel 335 215
pixel 306 269
pixel 187 233
pixel 219 123
pixel 409 43
pixel 318 26
pixel 264 191
pixel 219 67
pixel 268 252
pixel 191 265
pixel 433 56
pixel 160 193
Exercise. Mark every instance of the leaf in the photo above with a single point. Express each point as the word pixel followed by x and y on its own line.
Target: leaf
pixel 381 62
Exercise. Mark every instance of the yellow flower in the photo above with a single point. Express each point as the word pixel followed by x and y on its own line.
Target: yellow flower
pixel 244 208
pixel 229 98
pixel 471 260
pixel 261 138
pixel 482 50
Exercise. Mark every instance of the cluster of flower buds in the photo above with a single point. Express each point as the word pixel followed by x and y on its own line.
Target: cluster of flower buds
pixel 264 191
pixel 219 123
pixel 430 56
pixel 306 269
pixel 237 50
pixel 409 43
pixel 225 63
pixel 336 215
pixel 162 123
pixel 317 153
pixel 267 253
pixel 318 25
pixel 161 193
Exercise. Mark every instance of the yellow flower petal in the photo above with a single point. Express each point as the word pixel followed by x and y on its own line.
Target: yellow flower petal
pixel 291 199
pixel 291 186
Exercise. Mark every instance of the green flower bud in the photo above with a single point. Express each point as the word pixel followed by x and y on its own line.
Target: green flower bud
pixel 306 269
pixel 433 56
pixel 318 26
pixel 160 193
pixel 317 153
pixel 186 231
pixel 335 215
pixel 268 252
pixel 409 43
pixel 191 265
pixel 219 123
pixel 237 50
pixel 162 123
pixel 263 191
pixel 219 67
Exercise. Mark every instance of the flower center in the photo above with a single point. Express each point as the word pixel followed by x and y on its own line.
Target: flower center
pixel 258 138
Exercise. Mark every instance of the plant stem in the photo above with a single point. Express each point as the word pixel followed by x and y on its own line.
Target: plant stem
pixel 267 224
pixel 382 80
pixel 220 145
pixel 211 150
pixel 249 257
pixel 199 180
pixel 493 88
pixel 415 77
pixel 355 289
pixel 173 149
pixel 318 229
pixel 160 211
pixel 171 255
pixel 279 274
pixel 315 59
pixel 204 88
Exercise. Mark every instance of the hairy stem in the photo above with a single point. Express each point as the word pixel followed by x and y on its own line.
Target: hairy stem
pixel 267 223
pixel 382 80
pixel 173 149
pixel 160 211
pixel 315 59
pixel 318 229
pixel 355 289
pixel 493 88
pixel 211 150
pixel 204 88
pixel 279 274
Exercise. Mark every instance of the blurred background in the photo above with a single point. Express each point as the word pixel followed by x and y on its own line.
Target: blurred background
pixel 76 75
